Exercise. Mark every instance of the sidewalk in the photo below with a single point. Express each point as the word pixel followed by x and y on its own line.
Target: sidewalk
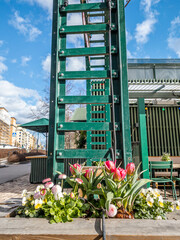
pixel 14 188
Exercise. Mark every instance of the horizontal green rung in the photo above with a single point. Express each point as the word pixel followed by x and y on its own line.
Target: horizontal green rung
pixel 97 119
pixel 105 99
pixel 97 41
pixel 93 7
pixel 85 153
pixel 102 74
pixel 86 126
pixel 97 111
pixel 97 58
pixel 97 135
pixel 98 143
pixel 91 51
pixel 85 29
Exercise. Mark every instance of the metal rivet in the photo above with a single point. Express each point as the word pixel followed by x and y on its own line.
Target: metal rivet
pixel 112 4
pixel 114 73
pixel 50 153
pixel 61 126
pixel 115 99
pixel 117 154
pixel 60 154
pixel 116 126
pixel 54 32
pixel 129 158
pixel 113 25
pixel 52 76
pixel 114 49
pixel 52 101
pixel 62 29
pixel 62 74
pixel 61 99
pixel 62 52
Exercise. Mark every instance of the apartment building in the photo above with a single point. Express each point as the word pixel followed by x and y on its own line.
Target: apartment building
pixel 5 121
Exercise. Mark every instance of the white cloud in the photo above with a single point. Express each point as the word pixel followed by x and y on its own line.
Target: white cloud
pixel 1 42
pixel 46 64
pixel 128 37
pixel 75 64
pixel 144 29
pixel 18 101
pixel 45 4
pixel 24 27
pixel 14 60
pixel 174 36
pixel 129 55
pixel 25 60
pixel 3 66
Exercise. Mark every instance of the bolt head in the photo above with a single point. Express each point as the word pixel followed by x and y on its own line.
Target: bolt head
pixel 116 126
pixel 113 25
pixel 114 49
pixel 62 29
pixel 62 52
pixel 61 126
pixel 115 99
pixel 62 74
pixel 117 154
pixel 60 154
pixel 112 4
pixel 115 73
pixel 61 99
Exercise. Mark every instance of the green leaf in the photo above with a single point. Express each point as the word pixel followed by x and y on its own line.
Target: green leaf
pixel 110 196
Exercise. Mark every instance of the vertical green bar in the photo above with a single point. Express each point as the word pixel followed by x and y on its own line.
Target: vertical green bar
pixel 53 87
pixel 143 137
pixel 126 135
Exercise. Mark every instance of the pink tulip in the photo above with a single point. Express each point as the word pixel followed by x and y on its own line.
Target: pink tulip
pixel 49 185
pixel 130 168
pixel 110 166
pixel 112 211
pixel 62 176
pixel 79 181
pixel 46 180
pixel 72 195
pixel 119 174
pixel 88 173
pixel 43 192
pixel 77 167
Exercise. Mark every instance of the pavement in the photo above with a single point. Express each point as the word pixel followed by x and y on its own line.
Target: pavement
pixel 13 171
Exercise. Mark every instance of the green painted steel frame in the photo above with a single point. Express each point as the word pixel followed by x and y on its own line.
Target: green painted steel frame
pixel 143 138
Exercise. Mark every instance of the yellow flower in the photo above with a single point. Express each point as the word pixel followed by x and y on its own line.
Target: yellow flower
pixel 38 206
pixel 142 194
pixel 161 204
pixel 45 200
pixel 150 204
pixel 177 207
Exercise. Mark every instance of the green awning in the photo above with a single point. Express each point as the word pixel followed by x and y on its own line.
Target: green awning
pixel 40 125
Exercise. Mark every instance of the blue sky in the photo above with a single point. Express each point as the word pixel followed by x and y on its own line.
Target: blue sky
pixel 153 31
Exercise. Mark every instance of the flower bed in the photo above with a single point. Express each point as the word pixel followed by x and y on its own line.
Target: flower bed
pixel 115 192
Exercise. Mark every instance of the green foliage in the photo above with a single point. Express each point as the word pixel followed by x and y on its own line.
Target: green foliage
pixel 166 157
pixel 63 210
pixel 149 205
pixel 80 139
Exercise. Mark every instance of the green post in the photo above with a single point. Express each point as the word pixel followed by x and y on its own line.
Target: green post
pixel 143 137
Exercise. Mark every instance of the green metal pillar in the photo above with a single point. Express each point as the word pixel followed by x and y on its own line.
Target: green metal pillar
pixel 143 137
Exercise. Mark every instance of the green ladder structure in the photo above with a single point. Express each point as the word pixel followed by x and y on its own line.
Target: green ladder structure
pixel 107 100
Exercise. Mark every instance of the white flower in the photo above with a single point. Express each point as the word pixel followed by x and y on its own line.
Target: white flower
pixel 149 200
pixel 149 189
pixel 24 201
pixel 158 218
pixel 177 205
pixel 57 196
pixel 38 203
pixel 24 193
pixel 156 192
pixel 39 187
pixel 56 189
pixel 171 208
